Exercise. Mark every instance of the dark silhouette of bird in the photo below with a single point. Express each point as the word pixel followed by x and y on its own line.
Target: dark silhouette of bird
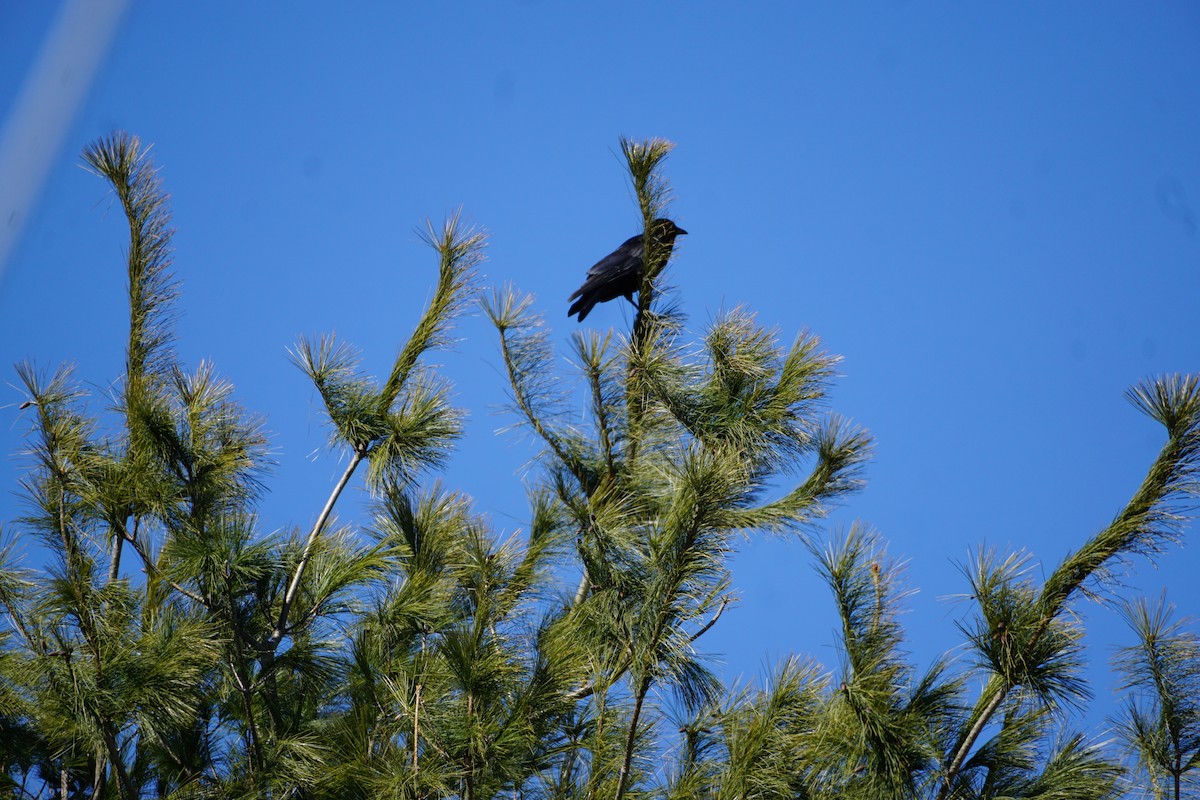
pixel 619 274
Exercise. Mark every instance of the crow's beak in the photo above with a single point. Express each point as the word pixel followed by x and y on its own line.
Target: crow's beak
pixel 679 231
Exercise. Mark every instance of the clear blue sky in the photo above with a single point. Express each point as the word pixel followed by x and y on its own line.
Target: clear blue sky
pixel 990 210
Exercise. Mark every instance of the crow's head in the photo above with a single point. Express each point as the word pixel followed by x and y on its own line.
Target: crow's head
pixel 665 230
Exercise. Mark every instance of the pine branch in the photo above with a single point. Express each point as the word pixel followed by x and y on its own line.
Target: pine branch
pixel 461 252
pixel 1161 720
pixel 1153 517
pixel 1150 520
pixel 126 165
pixel 377 432
pixel 525 350
pixel 592 352
pixel 842 450
pixel 708 625
pixel 644 159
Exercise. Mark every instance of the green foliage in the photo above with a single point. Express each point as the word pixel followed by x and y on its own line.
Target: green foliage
pixel 421 654
pixel 1160 721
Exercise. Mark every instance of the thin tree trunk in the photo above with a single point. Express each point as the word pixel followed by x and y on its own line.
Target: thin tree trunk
pixel 469 794
pixel 585 585
pixel 99 785
pixel 416 728
pixel 114 567
pixel 293 587
pixel 243 681
pixel 623 777
pixel 969 742
pixel 124 785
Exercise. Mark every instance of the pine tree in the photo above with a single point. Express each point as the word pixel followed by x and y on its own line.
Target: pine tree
pixel 172 648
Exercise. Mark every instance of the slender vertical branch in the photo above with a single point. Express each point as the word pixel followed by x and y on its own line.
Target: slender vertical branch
pixel 114 564
pixel 964 748
pixel 631 737
pixel 416 728
pixel 126 165
pixel 124 782
pixel 246 692
pixel 643 159
pixel 294 586
pixel 585 585
pixel 417 711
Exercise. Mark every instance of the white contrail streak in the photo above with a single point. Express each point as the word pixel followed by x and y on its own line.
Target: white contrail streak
pixel 41 116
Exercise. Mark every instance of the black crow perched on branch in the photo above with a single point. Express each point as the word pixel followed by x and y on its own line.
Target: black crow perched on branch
pixel 620 272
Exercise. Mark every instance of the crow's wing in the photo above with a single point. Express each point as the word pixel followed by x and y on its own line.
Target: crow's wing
pixel 614 268
pixel 617 274
pixel 626 257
